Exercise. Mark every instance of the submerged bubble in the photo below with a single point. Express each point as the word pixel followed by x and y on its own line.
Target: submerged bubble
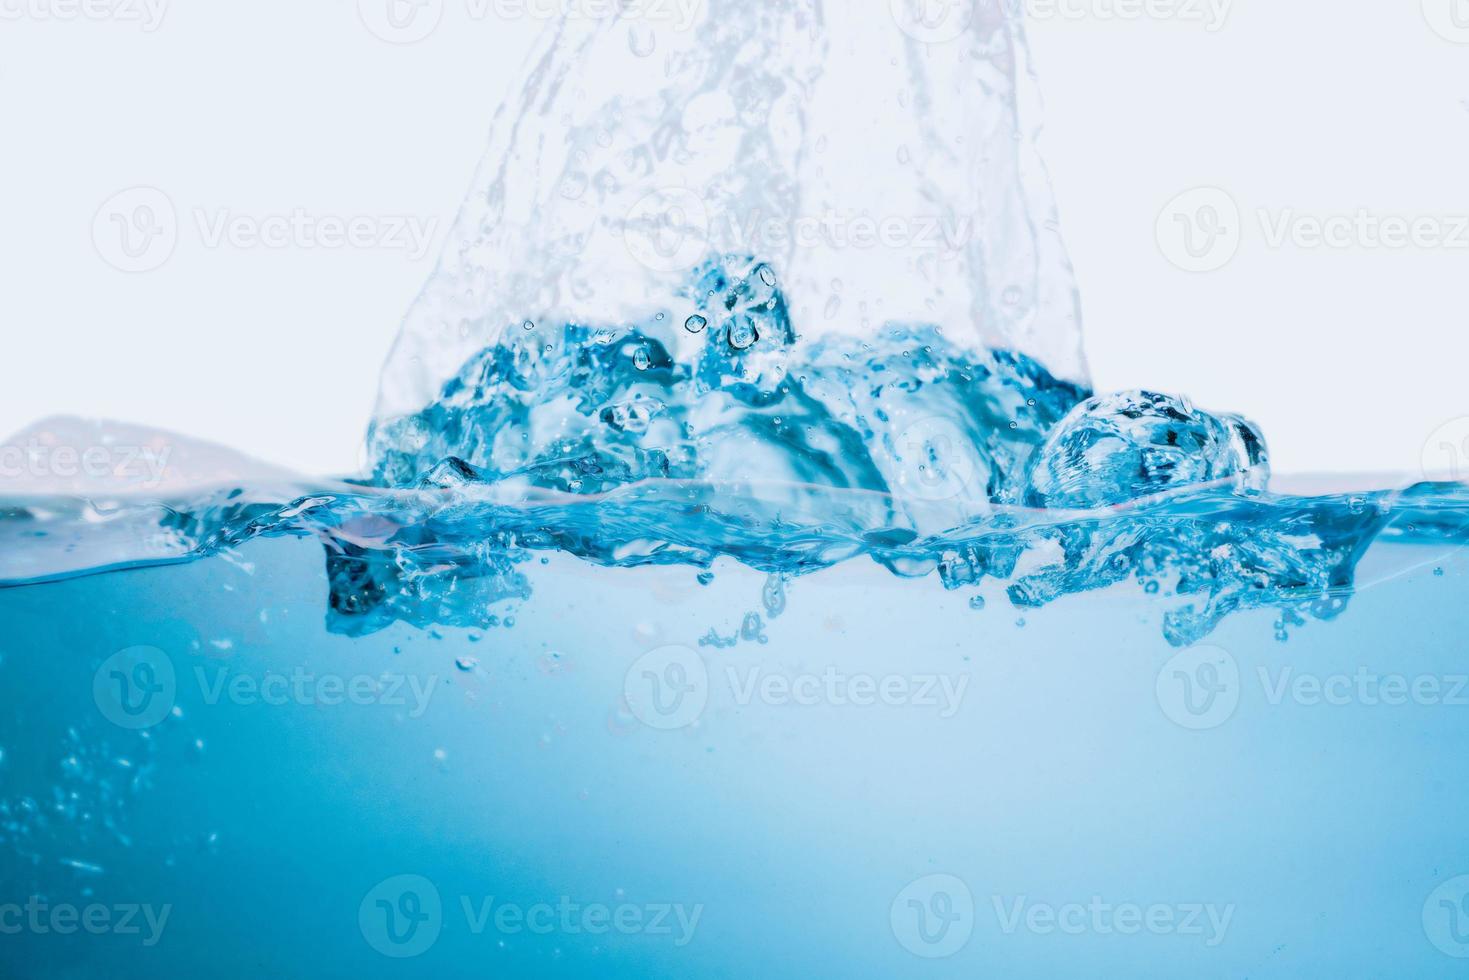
pixel 695 323
pixel 743 334
pixel 774 596
pixel 1116 448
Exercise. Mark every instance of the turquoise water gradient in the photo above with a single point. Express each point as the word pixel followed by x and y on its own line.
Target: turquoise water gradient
pixel 1031 822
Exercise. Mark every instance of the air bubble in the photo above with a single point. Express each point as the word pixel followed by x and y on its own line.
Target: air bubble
pixel 743 335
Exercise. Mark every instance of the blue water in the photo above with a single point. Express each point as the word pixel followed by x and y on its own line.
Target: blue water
pixel 559 692
pixel 1042 765
pixel 716 611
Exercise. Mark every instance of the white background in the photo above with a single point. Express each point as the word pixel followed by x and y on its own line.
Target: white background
pixel 1348 358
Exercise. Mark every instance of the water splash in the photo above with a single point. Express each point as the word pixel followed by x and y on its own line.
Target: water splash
pixel 1176 500
pixel 630 354
pixel 885 179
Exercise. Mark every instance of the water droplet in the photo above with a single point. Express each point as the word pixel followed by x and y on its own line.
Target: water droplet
pixel 695 323
pixel 774 596
pixel 641 360
pixel 528 325
pixel 976 602
pixel 466 663
pixel 742 335
pixel 767 275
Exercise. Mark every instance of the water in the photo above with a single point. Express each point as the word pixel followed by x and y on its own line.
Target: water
pixel 684 622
